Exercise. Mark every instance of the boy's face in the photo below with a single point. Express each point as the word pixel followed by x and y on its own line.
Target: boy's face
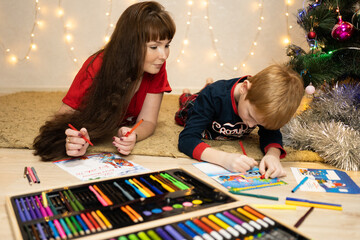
pixel 247 112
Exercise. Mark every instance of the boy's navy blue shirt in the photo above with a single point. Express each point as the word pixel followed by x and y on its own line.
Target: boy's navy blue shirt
pixel 215 116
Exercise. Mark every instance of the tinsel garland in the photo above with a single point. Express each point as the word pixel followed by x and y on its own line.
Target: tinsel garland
pixel 330 127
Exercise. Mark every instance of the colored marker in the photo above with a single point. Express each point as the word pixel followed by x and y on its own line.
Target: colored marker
pixel 163 234
pixel 189 232
pixel 255 195
pixel 246 219
pixel 153 235
pixel 54 230
pixel 143 236
pixel 216 227
pixel 98 220
pixel 143 187
pixel 155 189
pixel 251 216
pixel 239 221
pixel 21 213
pixel 131 216
pixel 31 209
pixel 168 188
pixel 133 212
pixel 132 236
pixel 77 225
pixel 92 220
pixel 256 213
pixel 87 222
pixel 170 229
pixel 300 183
pixel 224 225
pixel 109 202
pixel 87 140
pixel 143 191
pixel 274 206
pixel 128 195
pixel 136 125
pixel 141 194
pixel 308 204
pixel 198 230
pixel 82 223
pixel 71 226
pixel 207 229
pixel 78 204
pixel 310 201
pixel 35 174
pixel 101 200
pixel 301 220
pixel 231 223
pixel 30 172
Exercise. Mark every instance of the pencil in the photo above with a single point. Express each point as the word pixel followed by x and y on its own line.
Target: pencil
pixel 255 195
pixel 35 174
pixel 136 125
pixel 300 183
pixel 87 140
pixel 300 221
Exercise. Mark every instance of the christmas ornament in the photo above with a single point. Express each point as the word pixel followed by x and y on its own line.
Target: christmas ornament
pixel 310 89
pixel 342 30
pixel 311 35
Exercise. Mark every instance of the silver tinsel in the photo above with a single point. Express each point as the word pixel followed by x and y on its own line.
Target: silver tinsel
pixel 330 127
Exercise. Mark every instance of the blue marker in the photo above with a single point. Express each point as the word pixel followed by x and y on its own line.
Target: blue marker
pixel 136 189
pixel 189 231
pixel 155 189
pixel 300 183
pixel 198 230
pixel 231 223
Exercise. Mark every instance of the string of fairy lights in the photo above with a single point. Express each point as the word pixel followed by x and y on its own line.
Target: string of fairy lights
pixel 68 27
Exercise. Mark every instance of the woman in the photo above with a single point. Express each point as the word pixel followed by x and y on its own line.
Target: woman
pixel 115 88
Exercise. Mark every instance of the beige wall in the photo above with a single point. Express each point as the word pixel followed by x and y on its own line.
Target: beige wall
pixel 234 24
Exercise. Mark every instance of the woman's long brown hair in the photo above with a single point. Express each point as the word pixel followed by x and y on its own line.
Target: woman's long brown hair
pixel 106 101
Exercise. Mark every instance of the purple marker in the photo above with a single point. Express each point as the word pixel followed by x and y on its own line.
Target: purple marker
pixel 37 211
pixel 22 217
pixel 237 220
pixel 27 214
pixel 173 232
pixel 163 234
pixel 31 210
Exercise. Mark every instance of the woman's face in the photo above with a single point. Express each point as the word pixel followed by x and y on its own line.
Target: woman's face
pixel 156 54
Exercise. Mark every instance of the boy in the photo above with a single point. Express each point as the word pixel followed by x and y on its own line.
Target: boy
pixel 229 109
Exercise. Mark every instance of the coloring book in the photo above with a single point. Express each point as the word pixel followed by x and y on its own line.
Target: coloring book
pixel 96 166
pixel 325 180
pixel 235 181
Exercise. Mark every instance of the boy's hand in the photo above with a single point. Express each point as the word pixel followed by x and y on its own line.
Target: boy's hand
pixel 75 145
pixel 236 162
pixel 270 166
pixel 124 144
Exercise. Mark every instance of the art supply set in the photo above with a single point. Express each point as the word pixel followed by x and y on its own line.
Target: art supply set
pixel 242 222
pixel 99 206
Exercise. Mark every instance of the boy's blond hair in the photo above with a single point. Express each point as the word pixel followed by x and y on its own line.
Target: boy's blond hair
pixel 276 93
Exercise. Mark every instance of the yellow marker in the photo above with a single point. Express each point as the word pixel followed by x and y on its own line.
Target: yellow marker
pixel 305 204
pixel 140 188
pixel 107 223
pixel 44 199
pixel 223 225
pixel 274 206
pixel 162 184
pixel 252 217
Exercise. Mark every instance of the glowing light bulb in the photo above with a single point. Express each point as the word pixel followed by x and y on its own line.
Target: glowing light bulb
pixel 286 40
pixel 33 46
pixel 13 59
pixel 190 2
pixel 221 64
pixel 60 12
pixel 235 68
pixel 68 37
pixel 186 42
pixel 107 38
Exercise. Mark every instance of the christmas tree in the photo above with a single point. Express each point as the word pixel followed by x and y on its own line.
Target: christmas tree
pixel 332 32
pixel 331 124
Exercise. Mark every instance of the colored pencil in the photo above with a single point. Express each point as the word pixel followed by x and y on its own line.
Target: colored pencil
pixel 87 140
pixel 136 125
pixel 242 148
pixel 255 195
pixel 300 183
pixel 301 220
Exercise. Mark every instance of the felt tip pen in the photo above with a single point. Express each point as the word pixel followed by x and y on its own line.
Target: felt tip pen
pixel 300 183
pixel 87 140
pixel 35 174
pixel 136 125
pixel 128 195
pixel 101 200
pixel 255 195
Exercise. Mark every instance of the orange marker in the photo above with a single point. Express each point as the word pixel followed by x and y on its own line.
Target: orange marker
pixel 136 125
pixel 145 188
pixel 138 216
pixel 108 201
pixel 73 128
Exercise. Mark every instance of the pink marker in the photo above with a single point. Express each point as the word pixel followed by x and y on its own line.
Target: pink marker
pixel 101 200
pixel 33 178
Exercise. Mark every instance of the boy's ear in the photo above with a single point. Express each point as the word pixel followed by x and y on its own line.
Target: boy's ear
pixel 245 86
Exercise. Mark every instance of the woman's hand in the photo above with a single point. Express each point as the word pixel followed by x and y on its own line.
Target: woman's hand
pixel 125 144
pixel 75 144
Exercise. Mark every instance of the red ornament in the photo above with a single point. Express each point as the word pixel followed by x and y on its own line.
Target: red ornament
pixel 342 30
pixel 311 35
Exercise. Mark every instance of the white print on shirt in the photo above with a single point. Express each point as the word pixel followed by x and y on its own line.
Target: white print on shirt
pixel 237 130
